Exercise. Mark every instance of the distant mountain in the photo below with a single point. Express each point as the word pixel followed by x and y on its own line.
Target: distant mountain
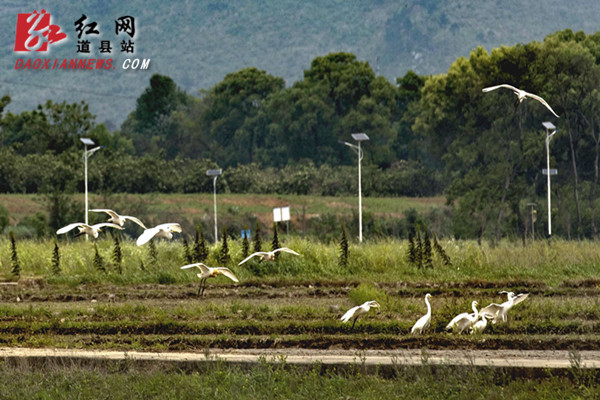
pixel 198 42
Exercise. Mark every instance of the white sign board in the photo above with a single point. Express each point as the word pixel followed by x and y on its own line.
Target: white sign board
pixel 281 214
pixel 277 215
pixel 552 171
pixel 285 213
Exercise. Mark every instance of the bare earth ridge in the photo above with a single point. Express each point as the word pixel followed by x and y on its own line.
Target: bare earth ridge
pixel 481 358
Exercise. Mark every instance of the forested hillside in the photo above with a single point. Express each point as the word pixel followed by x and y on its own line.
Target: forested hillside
pixel 428 135
pixel 197 43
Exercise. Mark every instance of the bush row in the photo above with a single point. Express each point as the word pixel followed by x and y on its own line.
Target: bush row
pixel 110 172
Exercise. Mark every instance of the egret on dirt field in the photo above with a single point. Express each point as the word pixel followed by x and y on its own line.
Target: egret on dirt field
pixel 465 320
pixel 268 255
pixel 208 272
pixel 85 229
pixel 479 326
pixel 522 95
pixel 357 311
pixel 498 312
pixel 119 219
pixel 423 323
pixel 162 230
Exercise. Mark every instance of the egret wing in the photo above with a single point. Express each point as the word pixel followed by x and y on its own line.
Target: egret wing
pixel 520 297
pixel 544 102
pixel 136 220
pixel 258 253
pixel 109 224
pixel 202 267
pixel 456 320
pixel 170 226
pixel 69 227
pixel 285 249
pixel 146 236
pixel 106 210
pixel 228 273
pixel 349 314
pixel 491 310
pixel 504 85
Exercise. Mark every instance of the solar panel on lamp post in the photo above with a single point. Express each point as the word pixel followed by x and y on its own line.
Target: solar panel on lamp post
pixel 86 153
pixel 549 126
pixel 214 173
pixel 359 137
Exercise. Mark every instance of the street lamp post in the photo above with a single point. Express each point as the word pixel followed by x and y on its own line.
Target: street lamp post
pixel 533 213
pixel 214 173
pixel 549 127
pixel 359 137
pixel 86 153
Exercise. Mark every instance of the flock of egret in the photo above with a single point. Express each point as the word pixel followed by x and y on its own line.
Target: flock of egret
pixel 165 231
pixel 117 221
pixel 474 322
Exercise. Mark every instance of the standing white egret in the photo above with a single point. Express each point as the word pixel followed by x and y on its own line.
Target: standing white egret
pixel 85 229
pixel 423 323
pixel 498 312
pixel 479 326
pixel 208 272
pixel 119 219
pixel 357 311
pixel 465 320
pixel 268 255
pixel 521 95
pixel 162 230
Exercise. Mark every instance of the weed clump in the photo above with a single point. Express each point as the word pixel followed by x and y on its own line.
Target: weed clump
pixel 98 260
pixel 343 259
pixel 56 259
pixel 14 258
pixel 200 249
pixel 275 242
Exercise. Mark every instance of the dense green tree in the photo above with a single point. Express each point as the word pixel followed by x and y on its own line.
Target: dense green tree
pixel 151 126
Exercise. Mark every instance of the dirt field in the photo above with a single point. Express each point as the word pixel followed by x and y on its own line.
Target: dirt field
pixel 282 317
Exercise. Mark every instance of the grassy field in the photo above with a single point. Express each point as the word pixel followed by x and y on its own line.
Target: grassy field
pixel 275 380
pixel 233 209
pixel 297 301
pixel 152 305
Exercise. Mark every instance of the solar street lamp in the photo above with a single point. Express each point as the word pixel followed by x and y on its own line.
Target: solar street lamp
pixel 86 153
pixel 214 173
pixel 359 137
pixel 549 126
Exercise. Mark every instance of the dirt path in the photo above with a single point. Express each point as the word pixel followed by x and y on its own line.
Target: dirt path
pixel 484 358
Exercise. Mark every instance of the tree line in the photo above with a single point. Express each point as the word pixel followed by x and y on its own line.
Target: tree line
pixel 428 135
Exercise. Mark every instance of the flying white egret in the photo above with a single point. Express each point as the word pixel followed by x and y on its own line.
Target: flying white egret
pixel 268 255
pixel 423 323
pixel 357 311
pixel 521 95
pixel 208 272
pixel 479 326
pixel 119 219
pixel 162 230
pixel 84 229
pixel 465 320
pixel 498 312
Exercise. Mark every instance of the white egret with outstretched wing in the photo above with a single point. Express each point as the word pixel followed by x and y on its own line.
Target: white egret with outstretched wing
pixel 268 255
pixel 465 320
pixel 119 219
pixel 159 231
pixel 85 229
pixel 208 272
pixel 357 311
pixel 521 95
